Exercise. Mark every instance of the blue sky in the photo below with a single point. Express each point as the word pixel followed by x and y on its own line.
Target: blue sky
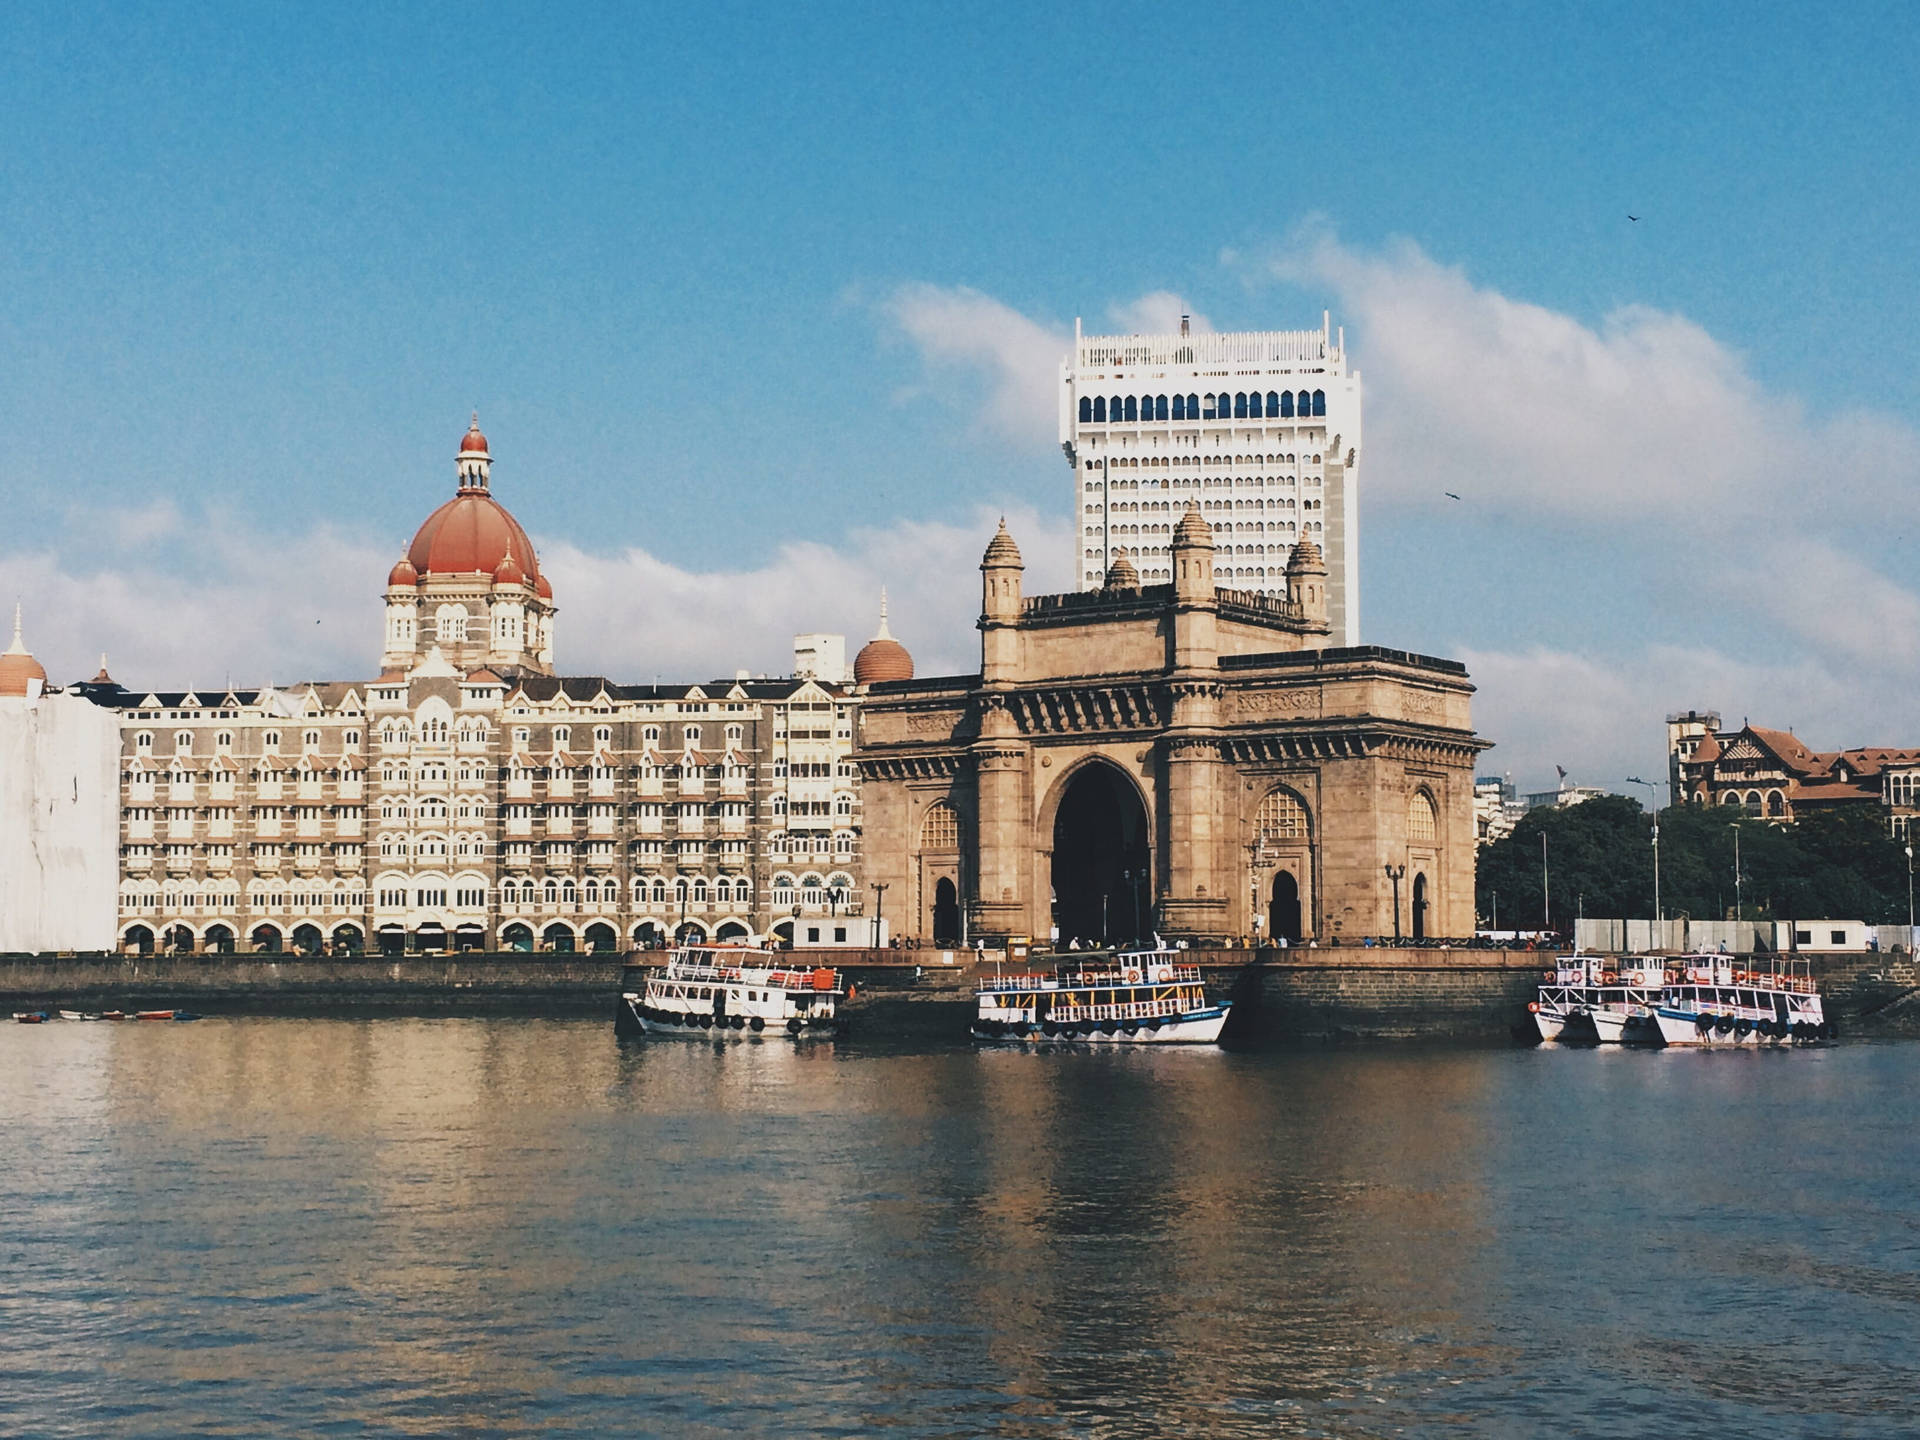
pixel 753 301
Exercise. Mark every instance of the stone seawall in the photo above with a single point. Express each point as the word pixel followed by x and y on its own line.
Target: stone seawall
pixel 1279 996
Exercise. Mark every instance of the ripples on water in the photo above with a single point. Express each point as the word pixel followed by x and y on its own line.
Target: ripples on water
pixel 247 1227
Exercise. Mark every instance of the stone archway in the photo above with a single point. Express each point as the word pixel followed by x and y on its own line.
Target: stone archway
pixel 946 912
pixel 1283 911
pixel 1102 890
pixel 1419 907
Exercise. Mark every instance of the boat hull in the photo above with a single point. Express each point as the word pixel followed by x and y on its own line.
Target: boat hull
pixel 682 1025
pixel 1609 1026
pixel 1196 1027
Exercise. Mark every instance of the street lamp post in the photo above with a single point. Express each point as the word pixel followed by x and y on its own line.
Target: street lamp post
pixel 1395 873
pixel 1652 796
pixel 879 910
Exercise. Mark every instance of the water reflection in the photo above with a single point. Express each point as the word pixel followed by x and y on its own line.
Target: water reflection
pixel 488 1226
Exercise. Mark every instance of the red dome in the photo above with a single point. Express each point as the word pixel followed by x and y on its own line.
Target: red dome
pixel 16 670
pixel 540 584
pixel 508 572
pixel 471 533
pixel 882 658
pixel 474 442
pixel 403 573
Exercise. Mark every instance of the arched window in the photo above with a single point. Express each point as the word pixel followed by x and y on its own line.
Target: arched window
pixel 1753 802
pixel 1286 404
pixel 1421 826
pixel 1159 407
pixel 1273 402
pixel 1100 409
pixel 1305 403
pixel 1282 817
pixel 1209 408
pixel 1179 407
pixel 1240 406
pixel 659 891
pixel 1319 402
pixel 552 891
pixel 700 890
pixel 940 829
pixel 1193 407
pixel 1132 408
pixel 1086 410
pixel 1776 804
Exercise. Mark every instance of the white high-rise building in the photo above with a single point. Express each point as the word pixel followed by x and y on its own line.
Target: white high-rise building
pixel 1261 428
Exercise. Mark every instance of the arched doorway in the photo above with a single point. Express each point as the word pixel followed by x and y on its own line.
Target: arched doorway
pixel 783 934
pixel 1419 907
pixel 139 939
pixel 179 939
pixel 946 912
pixel 734 930
pixel 306 939
pixel 1283 914
pixel 347 939
pixel 266 939
pixel 517 937
pixel 1101 889
pixel 558 937
pixel 647 933
pixel 602 936
pixel 219 940
pixel 690 933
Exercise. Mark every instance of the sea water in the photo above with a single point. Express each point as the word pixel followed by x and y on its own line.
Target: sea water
pixel 496 1226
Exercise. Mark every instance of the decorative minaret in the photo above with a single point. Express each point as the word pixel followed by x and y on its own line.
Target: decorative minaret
pixel 1191 879
pixel 1000 571
pixel 1307 587
pixel 476 465
pixel 1002 758
pixel 403 617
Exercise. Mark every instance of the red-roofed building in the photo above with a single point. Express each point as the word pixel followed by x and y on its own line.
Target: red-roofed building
pixel 1777 775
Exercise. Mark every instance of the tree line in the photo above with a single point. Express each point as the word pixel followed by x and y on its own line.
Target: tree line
pixel 1829 864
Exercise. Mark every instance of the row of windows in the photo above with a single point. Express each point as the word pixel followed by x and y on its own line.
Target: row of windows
pixel 223 741
pixel 1243 405
pixel 1179 462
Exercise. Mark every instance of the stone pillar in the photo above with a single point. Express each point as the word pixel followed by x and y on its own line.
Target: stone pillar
pixel 1003 829
pixel 1193 877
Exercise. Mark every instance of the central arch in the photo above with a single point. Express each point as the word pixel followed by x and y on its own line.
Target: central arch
pixel 1102 888
pixel 1283 916
pixel 946 912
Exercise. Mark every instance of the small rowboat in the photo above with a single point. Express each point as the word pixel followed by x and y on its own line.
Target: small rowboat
pixel 153 1015
pixel 111 1015
pixel 32 1017
pixel 81 1015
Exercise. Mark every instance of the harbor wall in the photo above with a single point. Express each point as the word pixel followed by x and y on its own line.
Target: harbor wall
pixel 1280 997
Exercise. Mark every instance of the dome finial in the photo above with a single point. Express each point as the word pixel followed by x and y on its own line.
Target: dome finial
pixel 882 634
pixel 19 646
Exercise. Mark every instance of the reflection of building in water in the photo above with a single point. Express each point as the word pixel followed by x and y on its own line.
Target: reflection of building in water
pixel 1189 758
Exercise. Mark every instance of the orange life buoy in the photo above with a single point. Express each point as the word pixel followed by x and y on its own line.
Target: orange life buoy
pixel 1133 977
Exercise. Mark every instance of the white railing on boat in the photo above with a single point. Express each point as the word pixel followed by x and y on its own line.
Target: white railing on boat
pixel 1159 973
pixel 785 979
pixel 1133 1010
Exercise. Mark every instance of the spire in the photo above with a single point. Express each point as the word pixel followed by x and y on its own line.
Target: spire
pixel 19 646
pixel 882 633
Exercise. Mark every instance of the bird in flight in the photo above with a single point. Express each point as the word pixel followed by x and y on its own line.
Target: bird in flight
pixel 1450 495
pixel 1634 218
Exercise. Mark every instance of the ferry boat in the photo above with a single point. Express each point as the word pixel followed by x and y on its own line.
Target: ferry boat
pixel 1719 1000
pixel 1632 989
pixel 1126 997
pixel 1559 1007
pixel 721 990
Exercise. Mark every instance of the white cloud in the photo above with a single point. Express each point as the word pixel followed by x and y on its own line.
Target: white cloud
pixel 1519 406
pixel 958 330
pixel 233 602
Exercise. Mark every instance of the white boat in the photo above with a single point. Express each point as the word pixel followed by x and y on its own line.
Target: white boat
pixel 712 991
pixel 1127 997
pixel 1721 1000
pixel 1632 989
pixel 1559 1007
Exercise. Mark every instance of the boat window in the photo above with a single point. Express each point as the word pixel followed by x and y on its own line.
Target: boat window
pixel 1746 998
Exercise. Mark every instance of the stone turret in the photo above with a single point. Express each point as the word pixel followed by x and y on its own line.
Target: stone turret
pixel 1307 582
pixel 1196 608
pixel 1000 571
